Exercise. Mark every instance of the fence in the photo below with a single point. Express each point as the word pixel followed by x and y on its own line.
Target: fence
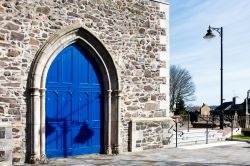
pixel 213 121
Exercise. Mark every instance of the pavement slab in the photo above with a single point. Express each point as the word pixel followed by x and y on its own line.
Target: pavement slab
pixel 229 153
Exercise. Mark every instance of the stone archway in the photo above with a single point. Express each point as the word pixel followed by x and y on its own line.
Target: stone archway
pixel 36 86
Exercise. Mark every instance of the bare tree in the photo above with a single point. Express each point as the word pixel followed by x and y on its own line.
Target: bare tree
pixel 181 85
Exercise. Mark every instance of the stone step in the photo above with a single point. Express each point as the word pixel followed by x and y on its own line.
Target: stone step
pixel 197 136
pixel 193 135
pixel 194 142
pixel 180 135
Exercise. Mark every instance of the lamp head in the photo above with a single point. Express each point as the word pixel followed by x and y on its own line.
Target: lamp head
pixel 209 34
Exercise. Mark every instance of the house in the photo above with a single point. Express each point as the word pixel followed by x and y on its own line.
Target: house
pixel 204 110
pixel 240 108
pixel 81 76
pixel 230 108
pixel 196 111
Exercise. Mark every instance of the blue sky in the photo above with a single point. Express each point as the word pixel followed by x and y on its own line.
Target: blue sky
pixel 189 20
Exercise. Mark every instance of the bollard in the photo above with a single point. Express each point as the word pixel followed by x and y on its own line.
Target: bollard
pixel 207 132
pixel 176 133
pixel 232 128
pixel 212 121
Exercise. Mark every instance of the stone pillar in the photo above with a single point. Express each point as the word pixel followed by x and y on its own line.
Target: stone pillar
pixel 35 125
pixel 107 147
pixel 117 148
pixel 43 157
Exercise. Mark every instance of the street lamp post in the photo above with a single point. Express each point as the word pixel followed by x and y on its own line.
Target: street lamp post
pixel 247 114
pixel 210 35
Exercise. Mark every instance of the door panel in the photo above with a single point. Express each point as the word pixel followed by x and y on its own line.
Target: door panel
pixel 73 105
pixel 67 68
pixel 52 103
pixel 83 107
pixel 67 106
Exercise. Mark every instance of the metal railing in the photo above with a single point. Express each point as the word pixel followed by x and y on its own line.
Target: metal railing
pixel 209 121
pixel 241 121
pixel 181 123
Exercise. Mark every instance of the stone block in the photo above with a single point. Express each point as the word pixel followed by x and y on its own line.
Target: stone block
pixel 33 41
pixel 143 99
pixel 5 144
pixel 17 36
pixel 151 106
pixel 11 26
pixel 2 36
pixel 3 64
pixel 43 9
pixel 4 44
pixel 148 88
pixel 13 53
pixel 2 132
pixel 11 85
pixel 2 156
pixel 72 14
pixel 132 108
pixel 153 124
pixel 1 110
pixel 151 136
pixel 7 100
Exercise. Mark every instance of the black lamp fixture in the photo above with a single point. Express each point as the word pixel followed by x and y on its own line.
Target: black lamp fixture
pixel 210 35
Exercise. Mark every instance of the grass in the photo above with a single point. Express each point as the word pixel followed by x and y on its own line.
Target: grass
pixel 240 136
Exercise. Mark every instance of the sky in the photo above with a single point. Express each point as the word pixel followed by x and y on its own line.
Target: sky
pixel 189 21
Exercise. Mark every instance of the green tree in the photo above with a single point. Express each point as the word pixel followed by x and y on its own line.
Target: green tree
pixel 180 107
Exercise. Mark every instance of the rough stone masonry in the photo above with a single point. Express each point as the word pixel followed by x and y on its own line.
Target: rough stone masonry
pixel 135 33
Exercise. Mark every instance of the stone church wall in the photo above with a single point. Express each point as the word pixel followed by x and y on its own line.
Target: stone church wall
pixel 135 32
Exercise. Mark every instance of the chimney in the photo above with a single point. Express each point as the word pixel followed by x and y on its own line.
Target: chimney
pixel 234 100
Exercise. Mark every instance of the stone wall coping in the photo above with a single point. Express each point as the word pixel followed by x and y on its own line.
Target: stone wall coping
pixel 5 124
pixel 134 120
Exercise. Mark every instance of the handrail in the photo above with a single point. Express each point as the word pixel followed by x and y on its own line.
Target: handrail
pixel 212 118
pixel 176 131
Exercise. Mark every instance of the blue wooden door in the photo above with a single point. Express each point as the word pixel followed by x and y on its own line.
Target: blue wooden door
pixel 73 105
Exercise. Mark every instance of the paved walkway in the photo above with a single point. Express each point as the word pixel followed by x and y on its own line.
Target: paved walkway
pixel 229 153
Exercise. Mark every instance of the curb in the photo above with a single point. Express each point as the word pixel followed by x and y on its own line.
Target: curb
pixel 241 140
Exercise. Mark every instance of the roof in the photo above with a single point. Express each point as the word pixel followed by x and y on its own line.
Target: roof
pixel 241 106
pixel 192 109
pixel 245 101
pixel 224 106
pixel 213 107
pixel 229 106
